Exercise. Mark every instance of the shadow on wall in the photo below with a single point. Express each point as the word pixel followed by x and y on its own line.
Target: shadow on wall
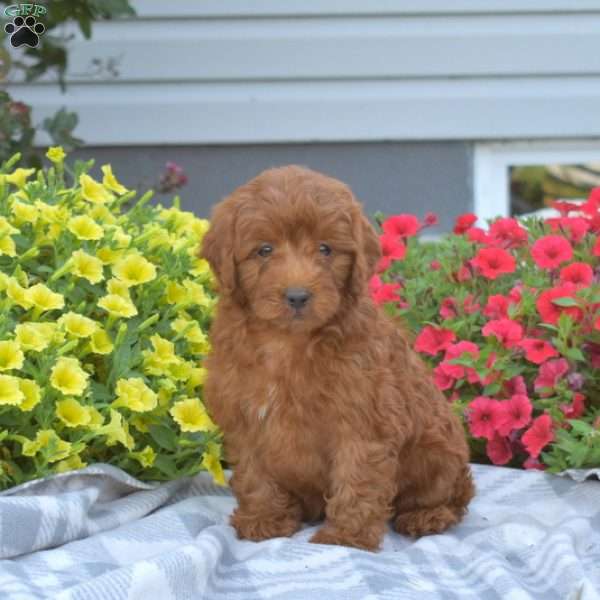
pixel 388 177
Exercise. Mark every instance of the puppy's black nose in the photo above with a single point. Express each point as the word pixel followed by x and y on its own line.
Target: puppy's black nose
pixel 297 297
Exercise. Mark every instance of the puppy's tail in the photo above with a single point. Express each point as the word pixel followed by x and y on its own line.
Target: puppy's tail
pixel 464 491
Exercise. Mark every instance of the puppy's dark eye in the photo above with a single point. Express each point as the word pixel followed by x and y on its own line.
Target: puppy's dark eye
pixel 324 249
pixel 265 250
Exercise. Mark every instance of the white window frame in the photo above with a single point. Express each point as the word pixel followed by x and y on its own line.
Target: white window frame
pixel 492 162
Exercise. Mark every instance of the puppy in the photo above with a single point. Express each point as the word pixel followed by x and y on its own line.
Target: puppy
pixel 326 410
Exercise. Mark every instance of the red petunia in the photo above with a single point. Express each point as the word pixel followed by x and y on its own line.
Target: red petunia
pixel 550 311
pixel 374 284
pixel 401 225
pixel 448 308
pixel 593 202
pixel 507 331
pixel 392 246
pixel 596 248
pixel 538 436
pixel 484 414
pixel 387 292
pixel 564 208
pixel 551 372
pixel 463 274
pixel 538 351
pixel 574 227
pixel 463 222
pixel 470 305
pixel 455 351
pixel 578 273
pixel 442 378
pixel 432 340
pixel 430 219
pixel 551 251
pixel 497 307
pixel 515 413
pixel 498 450
pixel 435 265
pixel 576 408
pixel 514 386
pixel 508 233
pixel 534 463
pixel 494 262
pixel 478 235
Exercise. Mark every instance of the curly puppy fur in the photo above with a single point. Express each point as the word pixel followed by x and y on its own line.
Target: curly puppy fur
pixel 326 410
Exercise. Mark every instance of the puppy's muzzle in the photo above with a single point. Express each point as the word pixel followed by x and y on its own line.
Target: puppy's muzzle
pixel 297 298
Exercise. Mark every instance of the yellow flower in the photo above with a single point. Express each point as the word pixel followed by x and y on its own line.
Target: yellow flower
pixel 31 337
pixel 134 269
pixel 101 343
pixel 110 181
pixel 109 256
pixel 145 457
pixel 19 176
pixel 199 227
pixel 47 438
pixel 118 306
pixel 93 191
pixel 101 213
pixel 6 227
pixel 116 431
pixel 10 391
pixel 211 462
pixel 24 213
pixel 176 294
pixel 190 415
pixel 52 214
pixel 197 377
pixel 201 266
pixel 77 325
pixel 56 154
pixel 32 393
pixel 71 413
pixel 180 371
pixel 118 287
pixel 70 464
pixel 122 239
pixel 96 418
pixel 191 331
pixel 68 377
pixel 17 293
pixel 140 423
pixel 7 246
pixel 86 266
pixel 195 293
pixel 11 356
pixel 135 395
pixel 43 298
pixel 84 228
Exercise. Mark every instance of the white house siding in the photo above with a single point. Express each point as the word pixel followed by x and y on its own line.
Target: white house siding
pixel 274 71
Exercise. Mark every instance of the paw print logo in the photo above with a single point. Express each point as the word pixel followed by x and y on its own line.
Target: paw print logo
pixel 24 32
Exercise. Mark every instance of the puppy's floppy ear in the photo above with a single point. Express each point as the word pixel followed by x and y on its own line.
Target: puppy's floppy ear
pixel 217 244
pixel 368 252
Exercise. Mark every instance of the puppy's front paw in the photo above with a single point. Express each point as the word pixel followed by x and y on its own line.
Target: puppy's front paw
pixel 258 528
pixel 332 536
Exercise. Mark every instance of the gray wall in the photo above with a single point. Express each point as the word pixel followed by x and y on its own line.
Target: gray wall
pixel 390 177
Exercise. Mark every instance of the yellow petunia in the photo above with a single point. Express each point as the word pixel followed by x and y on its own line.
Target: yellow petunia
pixel 190 415
pixel 109 256
pixel 180 371
pixel 116 430
pixel 100 342
pixel 71 413
pixel 68 377
pixel 85 228
pixel 19 177
pixel 93 191
pixel 72 463
pixel 190 330
pixel 7 246
pixel 118 287
pixel 195 293
pixel 52 213
pixel 17 293
pixel 24 213
pixel 122 239
pixel 34 336
pixel 199 227
pixel 99 212
pixel 212 463
pixel 96 418
pixel 10 391
pixel 201 267
pixel 86 266
pixel 110 181
pixel 135 395
pixel 197 377
pixel 118 306
pixel 145 457
pixel 176 293
pixel 6 227
pixel 47 439
pixel 11 356
pixel 56 154
pixel 43 298
pixel 77 325
pixel 134 269
pixel 32 393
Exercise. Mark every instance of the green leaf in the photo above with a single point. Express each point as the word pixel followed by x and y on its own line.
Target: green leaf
pixel 566 301
pixel 164 436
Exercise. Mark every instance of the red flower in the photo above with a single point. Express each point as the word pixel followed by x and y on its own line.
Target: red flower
pixel 430 219
pixel 564 208
pixel 498 450
pixel 432 340
pixel 483 416
pixel 448 308
pixel 455 351
pixel 442 378
pixel 550 374
pixel 576 408
pixel 534 463
pixel 435 265
pixel 493 262
pixel 550 251
pixel 391 246
pixel 575 227
pixel 515 413
pixel 550 311
pixel 508 332
pixel 577 273
pixel 374 284
pixel 463 222
pixel 508 233
pixel 478 235
pixel 596 248
pixel 593 202
pixel 497 307
pixel 515 386
pixel 470 306
pixel 538 436
pixel 538 351
pixel 463 274
pixel 401 226
pixel 387 292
